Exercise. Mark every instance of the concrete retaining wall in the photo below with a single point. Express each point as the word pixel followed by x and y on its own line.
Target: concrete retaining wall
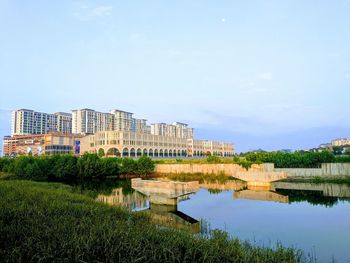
pixel 326 170
pixel 227 169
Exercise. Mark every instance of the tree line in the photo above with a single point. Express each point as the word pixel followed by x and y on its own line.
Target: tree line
pixel 70 167
pixel 299 159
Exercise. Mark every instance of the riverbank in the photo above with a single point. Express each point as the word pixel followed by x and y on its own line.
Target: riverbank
pixel 48 221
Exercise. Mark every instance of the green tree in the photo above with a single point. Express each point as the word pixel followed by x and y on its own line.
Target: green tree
pixel 145 165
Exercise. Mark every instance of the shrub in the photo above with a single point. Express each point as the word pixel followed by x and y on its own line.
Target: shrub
pixel 145 165
pixel 292 160
pixel 213 159
pixel 128 166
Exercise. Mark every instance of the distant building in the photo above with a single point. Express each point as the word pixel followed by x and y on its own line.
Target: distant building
pixel 85 121
pixel 177 129
pixel 134 144
pixel 41 144
pixel 340 142
pixel 325 145
pixel 26 122
pixel 115 132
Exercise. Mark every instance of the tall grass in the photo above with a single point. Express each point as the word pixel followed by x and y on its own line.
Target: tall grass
pixel 48 222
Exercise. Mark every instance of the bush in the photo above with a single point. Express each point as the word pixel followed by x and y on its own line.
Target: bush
pixel 213 159
pixel 292 160
pixel 128 166
pixel 71 168
pixel 145 165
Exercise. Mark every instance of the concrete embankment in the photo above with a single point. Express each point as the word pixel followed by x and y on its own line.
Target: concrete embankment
pixel 257 171
pixel 326 170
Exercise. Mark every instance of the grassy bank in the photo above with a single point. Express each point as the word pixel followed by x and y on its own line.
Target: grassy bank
pixel 49 222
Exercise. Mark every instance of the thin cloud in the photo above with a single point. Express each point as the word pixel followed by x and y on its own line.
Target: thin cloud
pixel 84 12
pixel 264 76
pixel 347 76
pixel 135 36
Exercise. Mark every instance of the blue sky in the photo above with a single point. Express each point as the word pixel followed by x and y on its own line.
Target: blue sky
pixel 262 74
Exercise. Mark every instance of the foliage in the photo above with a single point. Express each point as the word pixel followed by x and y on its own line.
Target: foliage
pixel 213 159
pixel 101 152
pixel 243 162
pixel 47 222
pixel 145 165
pixel 71 168
pixel 292 160
pixel 342 159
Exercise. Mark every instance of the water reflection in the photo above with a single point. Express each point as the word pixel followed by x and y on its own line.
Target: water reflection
pixel 310 216
pixel 132 200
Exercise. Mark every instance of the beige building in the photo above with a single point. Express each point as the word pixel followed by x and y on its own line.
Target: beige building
pixel 41 144
pixel 205 147
pixel 341 142
pixel 134 144
pixel 90 121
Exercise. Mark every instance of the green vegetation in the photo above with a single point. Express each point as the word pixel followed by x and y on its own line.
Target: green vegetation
pixel 299 159
pixel 342 159
pixel 210 178
pixel 48 222
pixel 292 160
pixel 71 168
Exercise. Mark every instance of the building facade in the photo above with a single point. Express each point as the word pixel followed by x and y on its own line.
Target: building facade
pixel 134 144
pixel 206 147
pixel 116 133
pixel 341 142
pixel 41 144
pixel 25 122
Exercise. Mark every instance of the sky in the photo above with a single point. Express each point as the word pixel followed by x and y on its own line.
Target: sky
pixel 264 74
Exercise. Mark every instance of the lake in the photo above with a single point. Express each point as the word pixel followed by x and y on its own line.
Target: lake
pixel 312 217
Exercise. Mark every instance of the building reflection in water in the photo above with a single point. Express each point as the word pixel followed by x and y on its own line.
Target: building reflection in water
pixel 133 201
pixel 163 215
pixel 282 192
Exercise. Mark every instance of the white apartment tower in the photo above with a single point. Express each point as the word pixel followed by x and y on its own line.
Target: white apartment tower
pixel 26 122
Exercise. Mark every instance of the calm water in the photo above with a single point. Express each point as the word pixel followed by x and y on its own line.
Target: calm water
pixel 313 217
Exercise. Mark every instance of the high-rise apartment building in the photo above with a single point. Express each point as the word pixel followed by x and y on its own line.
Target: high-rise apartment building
pixel 177 129
pixel 63 122
pixel 91 121
pixel 26 121
pixel 123 121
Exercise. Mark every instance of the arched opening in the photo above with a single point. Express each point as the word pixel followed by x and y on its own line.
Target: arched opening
pixel 156 154
pixel 160 153
pixel 170 153
pixel 150 153
pixel 208 153
pixel 178 153
pixel 144 152
pixel 113 152
pixel 165 153
pixel 139 152
pixel 132 152
pixel 174 153
pixel 125 152
pixel 183 153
